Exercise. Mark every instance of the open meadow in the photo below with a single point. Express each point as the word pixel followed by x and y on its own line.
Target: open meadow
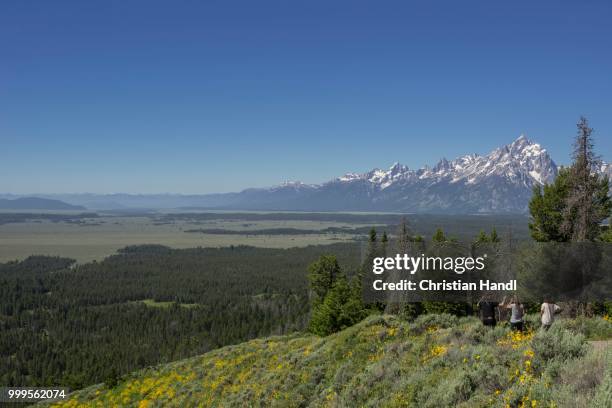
pixel 94 236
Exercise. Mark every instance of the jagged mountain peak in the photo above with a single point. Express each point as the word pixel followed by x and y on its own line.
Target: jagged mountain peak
pixel 500 181
pixel 442 165
pixel 397 168
pixel 522 161
pixel 523 144
pixel 522 140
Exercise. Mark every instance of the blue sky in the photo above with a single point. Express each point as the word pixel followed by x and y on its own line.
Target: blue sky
pixel 215 96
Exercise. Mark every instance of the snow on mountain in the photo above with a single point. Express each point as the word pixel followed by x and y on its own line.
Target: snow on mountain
pixel 522 162
pixel 294 185
pixel 498 182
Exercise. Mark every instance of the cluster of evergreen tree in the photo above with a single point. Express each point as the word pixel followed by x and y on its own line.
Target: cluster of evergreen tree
pixel 74 325
pixel 337 297
pixel 572 210
pixel 574 206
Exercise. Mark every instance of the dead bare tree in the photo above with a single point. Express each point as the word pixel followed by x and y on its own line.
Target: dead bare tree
pixel 583 213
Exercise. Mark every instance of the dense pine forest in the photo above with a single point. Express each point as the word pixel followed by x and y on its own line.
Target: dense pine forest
pixel 76 325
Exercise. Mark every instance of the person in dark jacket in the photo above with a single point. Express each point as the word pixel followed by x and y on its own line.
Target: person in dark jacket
pixel 487 309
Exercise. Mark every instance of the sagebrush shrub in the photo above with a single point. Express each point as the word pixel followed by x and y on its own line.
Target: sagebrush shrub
pixel 557 343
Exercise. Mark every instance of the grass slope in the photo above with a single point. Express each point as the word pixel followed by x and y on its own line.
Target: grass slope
pixel 436 361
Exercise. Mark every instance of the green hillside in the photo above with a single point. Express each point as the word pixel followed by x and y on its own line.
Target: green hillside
pixel 435 361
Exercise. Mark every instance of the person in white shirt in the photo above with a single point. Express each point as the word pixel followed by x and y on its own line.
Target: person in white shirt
pixel 547 313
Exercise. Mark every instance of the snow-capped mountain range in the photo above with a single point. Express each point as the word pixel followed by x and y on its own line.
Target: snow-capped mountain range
pixel 499 182
pixel 521 162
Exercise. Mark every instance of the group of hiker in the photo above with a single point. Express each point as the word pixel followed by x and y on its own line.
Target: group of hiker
pixel 488 314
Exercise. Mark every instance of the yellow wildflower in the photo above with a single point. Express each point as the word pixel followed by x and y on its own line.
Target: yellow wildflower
pixel 144 404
